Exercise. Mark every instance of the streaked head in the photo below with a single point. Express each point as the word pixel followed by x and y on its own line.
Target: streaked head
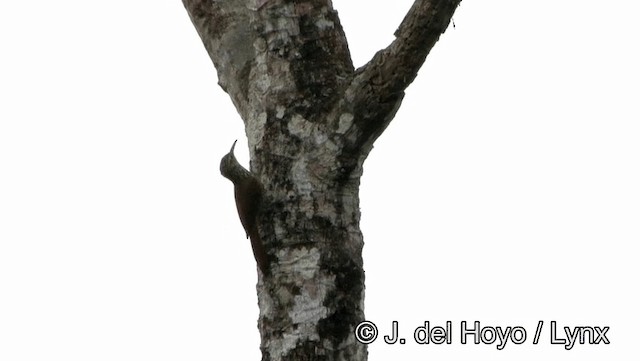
pixel 229 163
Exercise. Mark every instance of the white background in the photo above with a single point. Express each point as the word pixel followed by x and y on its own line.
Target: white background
pixel 505 191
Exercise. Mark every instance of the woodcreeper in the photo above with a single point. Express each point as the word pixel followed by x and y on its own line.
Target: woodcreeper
pixel 248 194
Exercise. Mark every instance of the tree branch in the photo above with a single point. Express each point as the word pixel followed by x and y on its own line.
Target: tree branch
pixel 273 54
pixel 395 67
pixel 223 28
pixel 377 88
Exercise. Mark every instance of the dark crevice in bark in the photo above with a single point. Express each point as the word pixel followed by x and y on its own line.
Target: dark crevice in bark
pixel 307 351
pixel 243 77
pixel 344 300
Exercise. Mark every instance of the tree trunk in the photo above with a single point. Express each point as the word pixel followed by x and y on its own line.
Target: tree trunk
pixel 311 120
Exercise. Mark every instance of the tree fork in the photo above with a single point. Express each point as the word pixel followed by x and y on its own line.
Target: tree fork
pixel 311 120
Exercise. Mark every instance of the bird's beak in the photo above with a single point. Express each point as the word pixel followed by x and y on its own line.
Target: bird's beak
pixel 233 146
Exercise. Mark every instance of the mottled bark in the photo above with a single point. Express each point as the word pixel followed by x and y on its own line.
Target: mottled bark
pixel 311 120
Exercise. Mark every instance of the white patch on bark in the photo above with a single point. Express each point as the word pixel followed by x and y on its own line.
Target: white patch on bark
pixel 302 182
pixel 307 309
pixel 324 24
pixel 326 209
pixel 331 146
pixel 255 129
pixel 279 229
pixel 299 126
pixel 284 25
pixel 302 260
pixel 346 119
pixel 260 75
pixel 350 94
pixel 260 45
pixel 280 111
pixel 320 137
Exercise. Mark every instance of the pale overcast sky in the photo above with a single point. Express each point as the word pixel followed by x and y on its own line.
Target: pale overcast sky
pixel 505 191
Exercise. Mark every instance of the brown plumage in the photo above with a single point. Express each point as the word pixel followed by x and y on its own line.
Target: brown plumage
pixel 248 193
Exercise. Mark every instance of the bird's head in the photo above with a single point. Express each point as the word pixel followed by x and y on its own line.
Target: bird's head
pixel 229 163
pixel 231 169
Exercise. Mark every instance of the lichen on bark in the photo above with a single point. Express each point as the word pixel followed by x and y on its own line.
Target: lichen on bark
pixel 311 120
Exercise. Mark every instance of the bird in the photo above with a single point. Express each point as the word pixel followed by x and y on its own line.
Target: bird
pixel 248 194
